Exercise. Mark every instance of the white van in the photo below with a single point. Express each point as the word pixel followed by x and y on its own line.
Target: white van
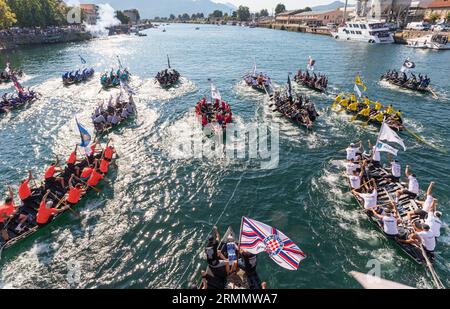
pixel 418 26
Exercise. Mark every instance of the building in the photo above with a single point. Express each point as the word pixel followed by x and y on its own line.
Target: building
pixel 416 12
pixel 133 15
pixel 440 7
pixel 311 18
pixel 89 13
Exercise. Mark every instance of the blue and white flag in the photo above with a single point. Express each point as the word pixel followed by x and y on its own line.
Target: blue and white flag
pixel 83 61
pixel 85 136
pixel 382 147
pixel 257 237
pixel 387 134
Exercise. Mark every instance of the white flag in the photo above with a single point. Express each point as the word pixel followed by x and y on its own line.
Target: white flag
pixel 387 134
pixel 382 147
pixel 215 94
pixel 358 91
pixel 254 67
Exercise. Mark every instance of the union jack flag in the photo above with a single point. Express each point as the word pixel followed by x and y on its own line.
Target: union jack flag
pixel 257 237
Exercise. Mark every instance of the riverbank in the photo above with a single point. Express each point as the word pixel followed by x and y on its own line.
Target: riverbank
pixel 10 39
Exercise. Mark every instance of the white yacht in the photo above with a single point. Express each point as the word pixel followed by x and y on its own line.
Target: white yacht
pixel 431 41
pixel 363 30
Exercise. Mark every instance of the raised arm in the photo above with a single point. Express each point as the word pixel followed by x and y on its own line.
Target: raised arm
pixel 430 188
pixel 407 173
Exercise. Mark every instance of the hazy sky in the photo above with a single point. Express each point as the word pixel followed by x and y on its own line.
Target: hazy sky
pixel 270 4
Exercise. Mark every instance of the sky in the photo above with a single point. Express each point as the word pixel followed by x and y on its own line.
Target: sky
pixel 256 5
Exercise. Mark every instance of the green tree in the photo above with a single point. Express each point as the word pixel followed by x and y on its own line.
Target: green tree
pixel 172 17
pixel 217 14
pixel 124 20
pixel 434 17
pixel 185 17
pixel 234 15
pixel 307 9
pixel 243 13
pixel 280 8
pixel 43 13
pixel 264 13
pixel 7 17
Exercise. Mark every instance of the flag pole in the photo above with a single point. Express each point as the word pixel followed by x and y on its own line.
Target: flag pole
pixel 240 234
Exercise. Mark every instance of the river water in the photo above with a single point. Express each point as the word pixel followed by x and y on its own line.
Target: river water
pixel 147 228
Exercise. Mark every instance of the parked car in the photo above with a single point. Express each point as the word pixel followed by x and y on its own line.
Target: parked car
pixel 424 26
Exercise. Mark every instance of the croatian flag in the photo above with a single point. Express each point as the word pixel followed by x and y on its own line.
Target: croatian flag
pixel 85 138
pixel 257 237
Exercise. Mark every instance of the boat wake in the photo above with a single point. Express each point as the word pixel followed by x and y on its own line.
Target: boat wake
pixel 150 89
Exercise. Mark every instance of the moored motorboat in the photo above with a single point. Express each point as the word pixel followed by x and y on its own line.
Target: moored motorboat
pixel 430 41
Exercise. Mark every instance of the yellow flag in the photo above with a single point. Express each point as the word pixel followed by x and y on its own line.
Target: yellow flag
pixel 360 83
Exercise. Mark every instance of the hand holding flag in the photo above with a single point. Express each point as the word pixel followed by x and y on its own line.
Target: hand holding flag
pixel 359 82
pixel 215 94
pixel 85 137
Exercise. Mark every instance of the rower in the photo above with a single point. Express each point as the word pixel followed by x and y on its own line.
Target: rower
pixel 71 168
pixel 379 117
pixel 390 110
pixel 50 180
pixel 75 192
pixel 46 211
pixel 350 167
pixel 353 106
pixel 396 172
pixel 86 173
pixel 355 180
pixel 214 257
pixel 248 263
pixel 232 250
pixel 378 106
pixel 426 205
pixel 375 155
pixel 413 185
pixel 104 165
pixel 109 152
pixel 434 220
pixel 365 112
pixel 389 221
pixel 352 151
pixel 370 199
pixel 6 214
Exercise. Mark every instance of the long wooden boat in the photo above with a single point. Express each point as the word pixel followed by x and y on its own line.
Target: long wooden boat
pixel 406 85
pixel 309 85
pixel 31 227
pixel 102 130
pixel 279 101
pixel 33 97
pixel 386 193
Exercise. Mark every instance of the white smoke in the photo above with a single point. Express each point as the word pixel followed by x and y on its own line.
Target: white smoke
pixel 106 18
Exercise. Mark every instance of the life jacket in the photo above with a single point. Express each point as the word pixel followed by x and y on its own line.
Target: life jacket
pixel 109 153
pixel 50 172
pixel 87 171
pixel 74 195
pixel 72 158
pixel 24 190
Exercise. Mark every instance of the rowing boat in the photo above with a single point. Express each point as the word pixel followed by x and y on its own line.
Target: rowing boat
pixel 386 191
pixel 260 83
pixel 71 78
pixel 217 278
pixel 304 116
pixel 207 113
pixel 406 85
pixel 118 110
pixel 310 84
pixel 30 227
pixel 114 81
pixel 168 78
pixel 12 103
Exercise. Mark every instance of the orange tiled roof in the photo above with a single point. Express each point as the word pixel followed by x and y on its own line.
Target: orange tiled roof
pixel 439 4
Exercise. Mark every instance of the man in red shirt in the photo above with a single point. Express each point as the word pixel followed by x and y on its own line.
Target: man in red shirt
pixel 6 214
pixel 46 211
pixel 51 181
pixel 71 163
pixel 75 193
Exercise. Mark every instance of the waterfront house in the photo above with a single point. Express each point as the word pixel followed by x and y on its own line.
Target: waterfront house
pixel 90 13
pixel 133 15
pixel 441 7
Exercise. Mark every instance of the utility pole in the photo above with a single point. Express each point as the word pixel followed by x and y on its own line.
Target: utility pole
pixel 345 11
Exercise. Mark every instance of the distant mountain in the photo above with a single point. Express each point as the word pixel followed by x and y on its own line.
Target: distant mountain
pixel 163 8
pixel 328 7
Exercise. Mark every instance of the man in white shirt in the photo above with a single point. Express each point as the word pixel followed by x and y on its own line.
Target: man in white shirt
pixel 353 151
pixel 350 167
pixel 375 155
pixel 396 172
pixel 370 198
pixel 355 180
pixel 426 205
pixel 427 238
pixel 389 221
pixel 413 185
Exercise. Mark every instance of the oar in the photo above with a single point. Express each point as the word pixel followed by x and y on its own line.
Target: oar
pixel 94 188
pixel 61 201
pixel 433 93
pixel 420 139
pixel 435 277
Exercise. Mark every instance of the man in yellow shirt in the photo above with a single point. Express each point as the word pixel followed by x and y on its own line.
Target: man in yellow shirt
pixel 353 97
pixel 344 103
pixel 365 112
pixel 378 117
pixel 378 106
pixel 353 107
pixel 390 110
pixel 367 101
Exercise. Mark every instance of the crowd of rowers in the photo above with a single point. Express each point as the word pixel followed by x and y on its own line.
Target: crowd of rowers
pixel 168 77
pixel 62 189
pixel 300 109
pixel 316 81
pixel 219 112
pixel 115 112
pixel 114 77
pixel 426 221
pixel 413 82
pixel 233 267
pixel 5 76
pixel 258 80
pixel 364 108
pixel 10 101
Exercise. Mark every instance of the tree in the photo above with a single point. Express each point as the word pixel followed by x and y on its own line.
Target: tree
pixel 264 13
pixel 243 13
pixel 217 14
pixel 434 17
pixel 281 8
pixel 42 13
pixel 124 20
pixel 172 17
pixel 307 9
pixel 448 17
pixel 185 17
pixel 234 15
pixel 7 17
